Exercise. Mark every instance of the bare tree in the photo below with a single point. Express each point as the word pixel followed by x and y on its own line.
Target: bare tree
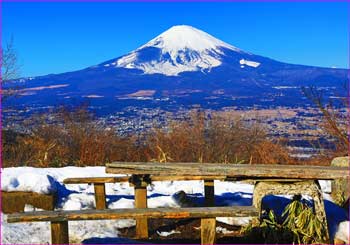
pixel 9 68
pixel 334 121
pixel 9 62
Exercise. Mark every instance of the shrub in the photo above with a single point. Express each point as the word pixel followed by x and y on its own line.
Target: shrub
pixel 72 139
pixel 298 224
pixel 335 122
pixel 204 138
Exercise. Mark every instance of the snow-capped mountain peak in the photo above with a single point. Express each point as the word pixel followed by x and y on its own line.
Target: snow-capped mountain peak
pixel 183 37
pixel 181 48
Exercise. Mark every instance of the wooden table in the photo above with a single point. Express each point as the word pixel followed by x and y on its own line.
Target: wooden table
pixel 238 171
pixel 269 179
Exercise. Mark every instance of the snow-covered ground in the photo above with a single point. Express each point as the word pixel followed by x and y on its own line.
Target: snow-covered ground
pixel 120 195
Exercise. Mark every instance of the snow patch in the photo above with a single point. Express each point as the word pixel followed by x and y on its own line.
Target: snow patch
pixel 249 63
pixel 92 96
pixel 343 232
pixel 167 233
pixel 285 87
pixel 29 182
pixel 122 203
pixel 222 230
pixel 44 87
pixel 78 201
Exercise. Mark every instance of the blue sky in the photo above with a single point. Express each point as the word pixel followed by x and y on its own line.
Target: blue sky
pixel 65 36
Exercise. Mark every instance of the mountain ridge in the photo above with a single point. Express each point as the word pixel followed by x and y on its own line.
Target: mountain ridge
pixel 181 75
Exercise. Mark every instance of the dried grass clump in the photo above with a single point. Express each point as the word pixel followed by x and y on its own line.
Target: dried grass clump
pixel 73 139
pixel 205 138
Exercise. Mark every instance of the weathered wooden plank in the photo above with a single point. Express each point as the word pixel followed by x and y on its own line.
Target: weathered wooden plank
pixel 230 170
pixel 141 202
pixel 170 177
pixel 100 195
pixel 209 193
pixel 93 180
pixel 132 213
pixel 208 230
pixel 15 201
pixel 59 232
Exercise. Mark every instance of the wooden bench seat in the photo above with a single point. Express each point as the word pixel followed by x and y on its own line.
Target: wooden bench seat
pixel 103 180
pixel 239 171
pixel 59 219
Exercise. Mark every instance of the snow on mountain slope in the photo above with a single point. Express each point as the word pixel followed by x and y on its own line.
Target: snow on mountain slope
pixel 249 63
pixel 179 49
pixel 179 37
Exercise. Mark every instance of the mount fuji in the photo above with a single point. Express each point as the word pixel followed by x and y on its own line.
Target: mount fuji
pixel 179 49
pixel 181 68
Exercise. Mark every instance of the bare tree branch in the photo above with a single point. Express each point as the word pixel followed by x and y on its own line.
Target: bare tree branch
pixel 9 67
pixel 9 62
pixel 335 124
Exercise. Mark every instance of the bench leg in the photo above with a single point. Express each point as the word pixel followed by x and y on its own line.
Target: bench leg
pixel 258 194
pixel 310 188
pixel 208 230
pixel 316 194
pixel 338 241
pixel 59 232
pixel 209 198
pixel 141 202
pixel 100 196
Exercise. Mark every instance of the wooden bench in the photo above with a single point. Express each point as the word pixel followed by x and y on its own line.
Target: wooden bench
pixel 100 191
pixel 59 219
pixel 140 189
pixel 269 179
